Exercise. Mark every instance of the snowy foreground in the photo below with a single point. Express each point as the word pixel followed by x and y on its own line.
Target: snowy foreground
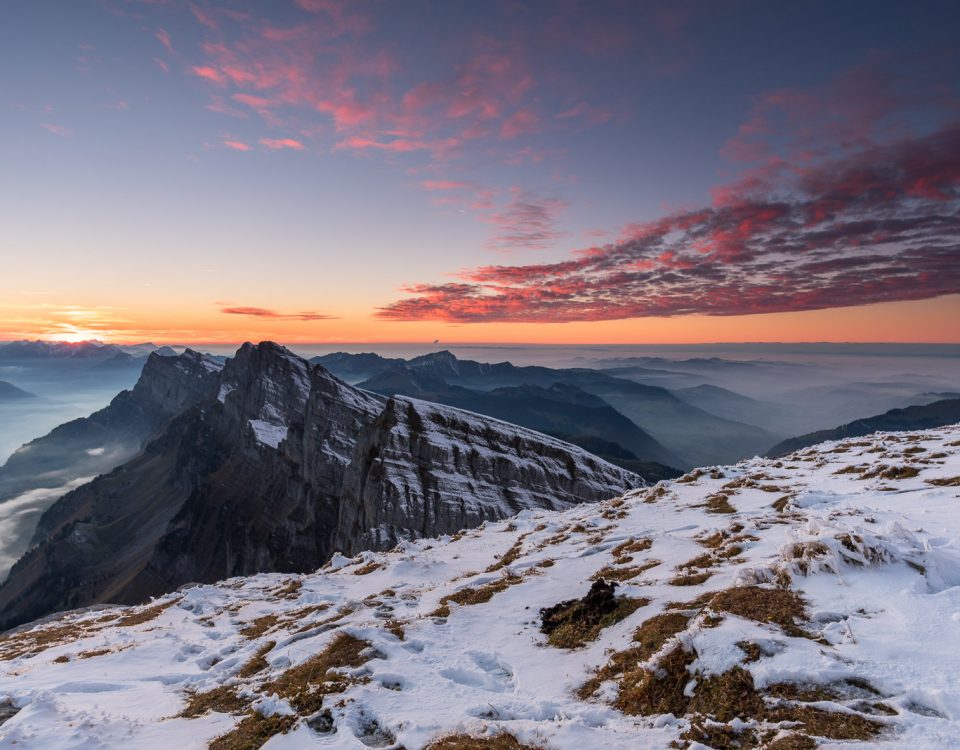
pixel 809 601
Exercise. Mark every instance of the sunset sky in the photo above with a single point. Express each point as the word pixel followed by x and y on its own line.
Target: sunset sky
pixel 563 172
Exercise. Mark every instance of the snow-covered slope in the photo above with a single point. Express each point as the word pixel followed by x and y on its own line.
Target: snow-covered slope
pixel 811 600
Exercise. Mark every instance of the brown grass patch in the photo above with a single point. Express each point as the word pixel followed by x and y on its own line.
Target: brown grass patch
pixel 502 741
pixel 260 625
pixel 690 477
pixel 834 725
pixel 622 553
pixel 780 504
pixel 945 481
pixel 719 503
pixel 508 557
pixel 144 614
pixel 775 606
pixel 690 579
pixel 576 622
pixel 222 699
pixel 644 692
pixel 368 568
pixel 258 662
pixel 611 573
pixel 479 595
pixel 58 633
pixel 852 469
pixel 305 685
pixel 290 590
pixel 648 639
pixel 253 732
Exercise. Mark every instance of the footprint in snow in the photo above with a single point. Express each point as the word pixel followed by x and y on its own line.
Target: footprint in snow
pixel 491 673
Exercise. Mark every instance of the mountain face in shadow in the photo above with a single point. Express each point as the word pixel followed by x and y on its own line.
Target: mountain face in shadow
pixel 690 435
pixel 280 465
pixel 41 470
pixel 936 414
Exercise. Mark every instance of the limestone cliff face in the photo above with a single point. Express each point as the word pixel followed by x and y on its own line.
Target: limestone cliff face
pixel 421 469
pixel 279 467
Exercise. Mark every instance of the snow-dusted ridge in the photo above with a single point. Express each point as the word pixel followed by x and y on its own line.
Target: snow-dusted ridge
pixel 866 531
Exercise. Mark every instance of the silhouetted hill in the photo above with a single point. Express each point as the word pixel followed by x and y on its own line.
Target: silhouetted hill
pixel 10 392
pixel 937 414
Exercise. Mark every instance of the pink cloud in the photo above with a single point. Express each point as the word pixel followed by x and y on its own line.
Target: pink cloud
pixel 875 225
pixel 281 143
pixel 237 145
pixel 209 74
pixel 443 185
pixel 262 312
pixel 164 39
pixel 56 129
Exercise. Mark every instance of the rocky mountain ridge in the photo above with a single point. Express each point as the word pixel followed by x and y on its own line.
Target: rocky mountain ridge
pixel 281 466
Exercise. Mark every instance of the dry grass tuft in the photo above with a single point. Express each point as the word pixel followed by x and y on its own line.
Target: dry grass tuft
pixel 690 579
pixel 260 626
pixel 258 662
pixel 144 614
pixel 253 732
pixel 945 481
pixel 780 504
pixel 305 685
pixel 367 569
pixel 645 692
pixel 622 553
pixel 502 741
pixel 508 557
pixel 612 573
pixel 290 590
pixel 479 595
pixel 222 699
pixel 648 639
pixel 719 503
pixel 776 606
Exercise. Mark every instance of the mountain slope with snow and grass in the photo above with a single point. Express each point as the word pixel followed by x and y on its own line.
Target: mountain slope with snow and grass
pixel 809 601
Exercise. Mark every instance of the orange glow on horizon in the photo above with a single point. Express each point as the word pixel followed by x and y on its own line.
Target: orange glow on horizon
pixel 927 321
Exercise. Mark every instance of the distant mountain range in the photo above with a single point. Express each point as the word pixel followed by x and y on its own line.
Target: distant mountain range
pixel 83 350
pixel 650 423
pixel 272 465
pixel 936 414
pixel 10 392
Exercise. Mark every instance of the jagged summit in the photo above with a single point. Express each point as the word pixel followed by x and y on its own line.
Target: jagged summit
pixel 774 604
pixel 278 466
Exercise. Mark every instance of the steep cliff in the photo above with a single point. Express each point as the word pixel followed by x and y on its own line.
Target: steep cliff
pixel 279 467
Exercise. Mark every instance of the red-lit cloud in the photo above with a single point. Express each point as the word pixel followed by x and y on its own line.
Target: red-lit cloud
pixel 527 222
pixel 260 312
pixel 871 222
pixel 277 144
